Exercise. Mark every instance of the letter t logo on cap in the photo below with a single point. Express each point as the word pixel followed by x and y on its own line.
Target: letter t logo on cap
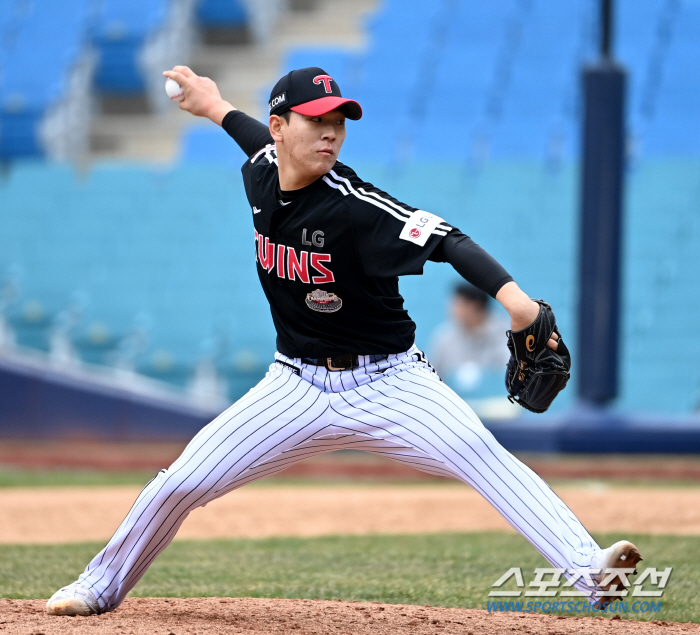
pixel 326 79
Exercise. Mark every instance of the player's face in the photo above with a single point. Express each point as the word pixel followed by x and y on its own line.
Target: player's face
pixel 313 143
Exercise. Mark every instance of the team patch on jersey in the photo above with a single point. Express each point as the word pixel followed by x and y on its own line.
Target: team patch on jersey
pixel 419 226
pixel 323 301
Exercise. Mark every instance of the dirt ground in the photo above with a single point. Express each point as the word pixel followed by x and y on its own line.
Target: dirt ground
pixel 69 514
pixel 76 514
pixel 171 616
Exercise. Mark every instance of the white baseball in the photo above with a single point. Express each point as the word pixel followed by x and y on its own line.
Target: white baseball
pixel 174 90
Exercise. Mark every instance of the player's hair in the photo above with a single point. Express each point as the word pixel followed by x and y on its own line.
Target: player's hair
pixel 471 293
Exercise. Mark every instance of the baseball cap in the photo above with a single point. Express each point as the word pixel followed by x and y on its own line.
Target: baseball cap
pixel 312 92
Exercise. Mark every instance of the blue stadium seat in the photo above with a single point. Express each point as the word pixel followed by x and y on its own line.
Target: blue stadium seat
pixel 344 67
pixel 119 35
pixel 8 25
pixel 509 66
pixel 228 13
pixel 26 88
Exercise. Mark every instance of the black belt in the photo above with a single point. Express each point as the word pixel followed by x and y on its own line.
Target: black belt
pixel 346 361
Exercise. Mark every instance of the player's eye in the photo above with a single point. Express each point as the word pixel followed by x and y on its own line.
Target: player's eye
pixel 316 119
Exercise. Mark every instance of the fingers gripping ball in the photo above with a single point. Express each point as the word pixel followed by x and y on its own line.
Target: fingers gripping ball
pixel 174 90
pixel 536 374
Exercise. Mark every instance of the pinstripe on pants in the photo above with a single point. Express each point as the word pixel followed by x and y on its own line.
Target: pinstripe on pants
pixel 397 407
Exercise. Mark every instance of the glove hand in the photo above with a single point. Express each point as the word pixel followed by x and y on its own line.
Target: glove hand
pixel 522 310
pixel 536 372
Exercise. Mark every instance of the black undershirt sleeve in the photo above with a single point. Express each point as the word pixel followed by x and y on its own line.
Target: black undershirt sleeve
pixel 247 132
pixel 471 262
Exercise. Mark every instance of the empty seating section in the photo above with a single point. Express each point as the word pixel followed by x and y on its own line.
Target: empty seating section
pixel 55 54
pixel 492 79
pixel 119 36
pixel 36 36
pixel 501 79
pixel 673 93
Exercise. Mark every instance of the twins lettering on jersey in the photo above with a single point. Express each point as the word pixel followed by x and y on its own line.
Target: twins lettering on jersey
pixel 292 265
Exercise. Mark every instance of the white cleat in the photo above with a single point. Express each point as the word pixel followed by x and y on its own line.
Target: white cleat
pixel 621 555
pixel 72 600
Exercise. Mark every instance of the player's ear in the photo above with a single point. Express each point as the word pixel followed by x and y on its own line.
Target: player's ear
pixel 277 124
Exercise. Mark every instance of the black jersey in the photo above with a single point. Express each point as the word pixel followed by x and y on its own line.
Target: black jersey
pixel 329 260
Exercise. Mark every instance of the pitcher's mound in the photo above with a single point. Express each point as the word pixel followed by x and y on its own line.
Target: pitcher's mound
pixel 176 616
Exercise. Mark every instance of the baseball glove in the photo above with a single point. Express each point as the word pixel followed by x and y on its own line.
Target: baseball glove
pixel 535 373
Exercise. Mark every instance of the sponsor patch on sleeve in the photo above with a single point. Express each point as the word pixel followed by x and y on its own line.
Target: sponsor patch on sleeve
pixel 419 226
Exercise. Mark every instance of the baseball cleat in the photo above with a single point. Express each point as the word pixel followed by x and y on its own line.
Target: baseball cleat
pixel 622 555
pixel 72 600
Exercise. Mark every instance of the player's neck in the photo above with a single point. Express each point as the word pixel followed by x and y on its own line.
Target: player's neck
pixel 292 176
pixel 291 180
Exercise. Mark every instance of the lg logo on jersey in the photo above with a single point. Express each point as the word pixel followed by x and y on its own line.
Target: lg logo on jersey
pixel 316 238
pixel 419 226
pixel 291 265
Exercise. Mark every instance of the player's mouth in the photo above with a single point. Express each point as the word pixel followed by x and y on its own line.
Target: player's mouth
pixel 326 152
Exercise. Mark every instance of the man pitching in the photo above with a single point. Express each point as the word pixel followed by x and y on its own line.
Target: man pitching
pixel 330 249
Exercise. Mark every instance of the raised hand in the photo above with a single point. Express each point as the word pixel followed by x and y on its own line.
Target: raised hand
pixel 202 96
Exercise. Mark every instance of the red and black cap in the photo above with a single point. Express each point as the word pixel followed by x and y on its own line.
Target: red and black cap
pixel 312 92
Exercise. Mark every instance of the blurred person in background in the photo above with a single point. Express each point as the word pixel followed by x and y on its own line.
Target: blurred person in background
pixel 468 349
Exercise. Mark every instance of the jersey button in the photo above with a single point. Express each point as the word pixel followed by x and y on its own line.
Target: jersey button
pixel 279 283
pixel 277 234
pixel 308 346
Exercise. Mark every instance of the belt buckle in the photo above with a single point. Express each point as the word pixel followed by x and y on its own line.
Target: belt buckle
pixel 330 366
pixel 339 359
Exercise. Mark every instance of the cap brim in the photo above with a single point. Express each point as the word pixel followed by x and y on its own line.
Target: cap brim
pixel 318 107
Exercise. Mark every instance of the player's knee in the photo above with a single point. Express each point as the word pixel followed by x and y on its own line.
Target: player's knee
pixel 193 488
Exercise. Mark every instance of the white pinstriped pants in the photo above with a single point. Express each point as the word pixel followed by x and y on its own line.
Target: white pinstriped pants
pixel 397 407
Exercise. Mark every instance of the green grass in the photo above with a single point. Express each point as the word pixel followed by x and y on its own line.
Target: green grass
pixel 17 477
pixel 10 477
pixel 452 570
